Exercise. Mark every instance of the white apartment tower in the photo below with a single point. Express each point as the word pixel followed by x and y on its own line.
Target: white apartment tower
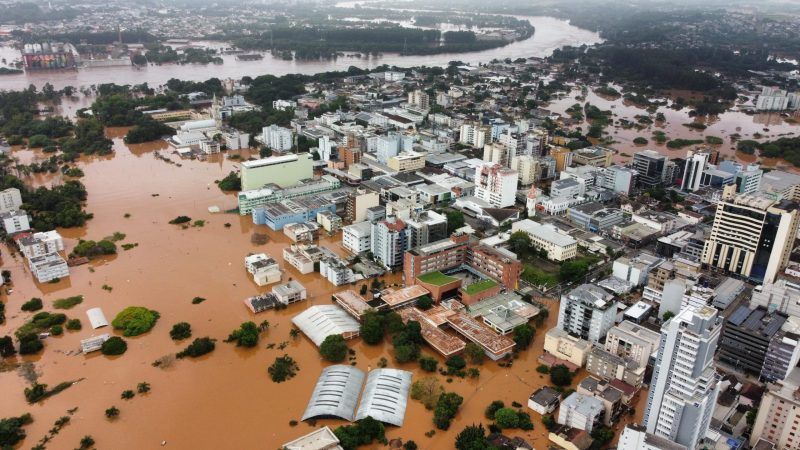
pixel 587 312
pixel 10 199
pixel 277 138
pixel 496 185
pixel 684 386
pixel 695 164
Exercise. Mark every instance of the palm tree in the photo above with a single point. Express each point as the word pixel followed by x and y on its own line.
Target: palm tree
pixel 294 333
pixel 143 387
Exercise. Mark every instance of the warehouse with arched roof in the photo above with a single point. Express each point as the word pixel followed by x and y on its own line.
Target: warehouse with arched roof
pixel 321 321
pixel 336 393
pixel 385 396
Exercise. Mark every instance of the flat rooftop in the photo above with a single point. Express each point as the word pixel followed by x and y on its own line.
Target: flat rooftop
pixel 443 342
pixel 269 161
pixel 352 302
pixel 480 334
pixel 508 300
pixel 403 295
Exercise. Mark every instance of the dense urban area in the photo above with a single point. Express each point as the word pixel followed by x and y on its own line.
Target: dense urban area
pixel 320 225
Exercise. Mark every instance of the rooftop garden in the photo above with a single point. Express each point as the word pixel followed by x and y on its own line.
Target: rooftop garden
pixel 480 286
pixel 436 278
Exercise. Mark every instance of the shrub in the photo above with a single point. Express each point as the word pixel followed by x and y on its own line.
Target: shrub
pixel 181 330
pixel 549 422
pixel 135 320
pixel 506 418
pixel 38 392
pixel 475 353
pixel 560 375
pixel 112 413
pixel 91 249
pixel 69 302
pixel 446 409
pixel 57 330
pixel 115 345
pixel 543 369
pixel 180 219
pixel 245 336
pixel 34 304
pixel 426 391
pixel 11 431
pixel 640 141
pixel 334 348
pixel 284 368
pixel 197 348
pixel 198 300
pixel 492 409
pixel 455 363
pixel 428 363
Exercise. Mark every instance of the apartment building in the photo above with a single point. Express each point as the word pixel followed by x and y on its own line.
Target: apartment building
pixel 496 185
pixel 389 241
pixel 684 386
pixel 40 244
pixel 10 200
pixel 587 312
pixel 15 221
pixel 633 341
pixel 48 267
pixel 752 236
pixel 277 138
pixel 356 238
pixel 778 416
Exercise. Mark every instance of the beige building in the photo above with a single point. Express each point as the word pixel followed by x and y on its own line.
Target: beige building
pixel 633 341
pixel 778 418
pixel 494 152
pixel 285 171
pixel 407 161
pixel 752 236
pixel 559 246
pixel 560 344
pixel 527 167
pixel 563 157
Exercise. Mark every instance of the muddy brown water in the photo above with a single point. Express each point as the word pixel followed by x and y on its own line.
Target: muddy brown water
pixel 222 400
pixel 769 125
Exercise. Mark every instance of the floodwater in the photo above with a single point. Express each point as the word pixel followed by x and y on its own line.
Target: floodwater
pixel 550 34
pixel 222 400
pixel 759 126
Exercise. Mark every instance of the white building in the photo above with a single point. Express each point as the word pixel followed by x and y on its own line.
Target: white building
pixel 277 138
pixel 527 168
pixel 326 146
pixel 496 185
pixel 473 135
pixel 684 385
pixel 559 246
pixel 336 271
pixel 10 200
pixel 619 179
pixel 696 163
pixel 581 411
pixel 587 312
pixel 633 341
pixel 774 99
pixel 41 244
pixel 389 242
pixel 264 268
pixel 637 438
pixel 48 267
pixel 290 292
pixel 419 99
pixel 356 237
pixel 635 270
pixel 15 221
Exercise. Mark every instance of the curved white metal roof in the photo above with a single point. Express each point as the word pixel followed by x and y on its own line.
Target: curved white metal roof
pixel 321 321
pixel 385 396
pixel 97 318
pixel 336 393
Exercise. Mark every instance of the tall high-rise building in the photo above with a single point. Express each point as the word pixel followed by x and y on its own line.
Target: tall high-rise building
pixel 473 134
pixel 389 241
pixel 277 138
pixel 696 163
pixel 496 185
pixel 651 168
pixel 684 387
pixel 587 312
pixel 424 227
pixel 752 236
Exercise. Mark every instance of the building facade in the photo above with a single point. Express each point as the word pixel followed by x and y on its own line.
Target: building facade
pixel 587 312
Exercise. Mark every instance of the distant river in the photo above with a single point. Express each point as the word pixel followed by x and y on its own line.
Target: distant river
pixel 550 34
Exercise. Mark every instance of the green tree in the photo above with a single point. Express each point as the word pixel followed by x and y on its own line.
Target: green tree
pixel 602 436
pixel 7 347
pixel 231 182
pixel 143 387
pixel 284 368
pixel 245 336
pixel 425 303
pixel 372 328
pixel 181 330
pixel 34 304
pixel 472 437
pixel 428 364
pixel 11 431
pixel 455 220
pixel 668 315
pixel 112 413
pixel 560 375
pixel 549 422
pixel 135 320
pixel 523 335
pixel 493 407
pixel 455 363
pixel 334 348
pixel 475 353
pixel 506 418
pixel 446 409
pixel 520 243
pixel 115 345
pixel 198 347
